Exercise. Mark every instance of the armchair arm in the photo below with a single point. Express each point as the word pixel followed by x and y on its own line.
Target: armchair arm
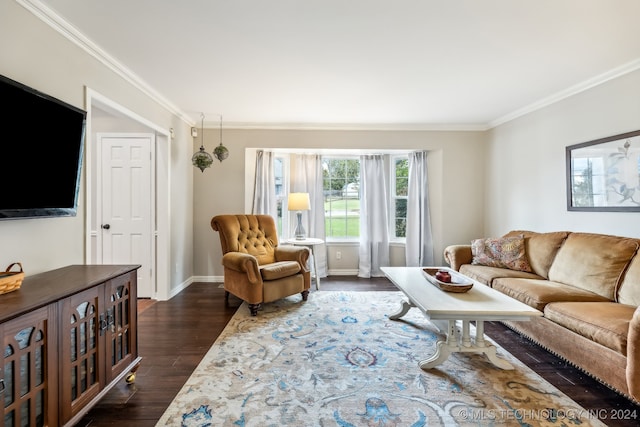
pixel 633 356
pixel 293 253
pixel 456 255
pixel 242 263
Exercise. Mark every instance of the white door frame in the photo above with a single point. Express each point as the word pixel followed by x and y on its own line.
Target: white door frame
pixel 160 256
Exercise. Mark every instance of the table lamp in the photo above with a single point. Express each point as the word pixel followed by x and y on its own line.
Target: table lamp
pixel 299 202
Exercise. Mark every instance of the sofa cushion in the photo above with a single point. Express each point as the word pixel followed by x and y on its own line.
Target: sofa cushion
pixel 278 270
pixel 541 248
pixel 503 252
pixel 537 293
pixel 486 275
pixel 606 323
pixel 594 262
pixel 629 288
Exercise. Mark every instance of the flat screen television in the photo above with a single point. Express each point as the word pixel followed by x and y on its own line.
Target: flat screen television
pixel 41 152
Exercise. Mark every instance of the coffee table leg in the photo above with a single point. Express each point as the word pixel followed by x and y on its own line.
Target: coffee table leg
pixel 466 337
pixel 442 353
pixel 443 348
pixel 480 333
pixel 488 349
pixel 404 309
pixel 455 342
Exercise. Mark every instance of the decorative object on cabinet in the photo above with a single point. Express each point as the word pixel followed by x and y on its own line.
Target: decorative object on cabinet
pixel 11 280
pixel 604 174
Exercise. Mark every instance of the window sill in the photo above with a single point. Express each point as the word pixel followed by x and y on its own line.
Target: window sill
pixel 396 243
pixel 336 242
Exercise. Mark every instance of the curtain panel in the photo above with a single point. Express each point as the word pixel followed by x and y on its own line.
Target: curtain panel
pixel 419 246
pixel 308 179
pixel 264 189
pixel 374 220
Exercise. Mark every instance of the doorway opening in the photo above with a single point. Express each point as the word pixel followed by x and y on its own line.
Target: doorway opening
pixel 104 115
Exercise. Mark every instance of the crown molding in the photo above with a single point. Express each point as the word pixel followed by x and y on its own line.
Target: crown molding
pixel 573 90
pixel 409 127
pixel 63 27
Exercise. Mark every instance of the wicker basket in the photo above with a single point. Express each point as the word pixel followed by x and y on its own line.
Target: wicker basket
pixel 11 280
pixel 459 283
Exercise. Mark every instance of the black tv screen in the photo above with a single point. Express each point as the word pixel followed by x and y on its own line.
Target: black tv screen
pixel 41 146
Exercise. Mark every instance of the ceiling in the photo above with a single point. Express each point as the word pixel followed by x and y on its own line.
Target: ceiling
pixel 410 64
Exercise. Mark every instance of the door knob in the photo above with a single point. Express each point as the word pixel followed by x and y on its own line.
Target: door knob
pixel 106 226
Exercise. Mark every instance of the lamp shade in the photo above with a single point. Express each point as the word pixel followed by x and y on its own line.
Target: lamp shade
pixel 298 202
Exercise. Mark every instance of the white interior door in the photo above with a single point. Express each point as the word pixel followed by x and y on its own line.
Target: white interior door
pixel 126 224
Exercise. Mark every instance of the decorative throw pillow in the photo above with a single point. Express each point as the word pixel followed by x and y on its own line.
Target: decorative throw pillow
pixel 503 252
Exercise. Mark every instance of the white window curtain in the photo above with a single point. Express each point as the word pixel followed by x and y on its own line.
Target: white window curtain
pixel 308 179
pixel 419 246
pixel 264 189
pixel 374 221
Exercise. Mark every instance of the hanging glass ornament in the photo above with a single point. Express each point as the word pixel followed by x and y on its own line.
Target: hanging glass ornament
pixel 221 152
pixel 201 159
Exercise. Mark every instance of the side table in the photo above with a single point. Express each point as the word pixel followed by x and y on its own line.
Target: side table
pixel 310 242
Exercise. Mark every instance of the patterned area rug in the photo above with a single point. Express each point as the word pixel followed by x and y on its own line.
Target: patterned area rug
pixel 337 360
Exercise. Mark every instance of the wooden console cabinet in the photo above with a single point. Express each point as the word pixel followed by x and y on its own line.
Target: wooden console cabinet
pixel 68 336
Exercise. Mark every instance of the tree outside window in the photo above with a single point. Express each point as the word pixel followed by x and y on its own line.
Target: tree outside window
pixel 341 187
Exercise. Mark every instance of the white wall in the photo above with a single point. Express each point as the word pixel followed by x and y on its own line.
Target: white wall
pixel 34 54
pixel 456 185
pixel 526 176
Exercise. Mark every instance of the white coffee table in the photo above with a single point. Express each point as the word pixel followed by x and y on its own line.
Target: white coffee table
pixel 310 242
pixel 447 309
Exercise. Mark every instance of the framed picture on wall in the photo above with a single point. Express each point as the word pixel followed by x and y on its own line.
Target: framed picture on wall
pixel 604 174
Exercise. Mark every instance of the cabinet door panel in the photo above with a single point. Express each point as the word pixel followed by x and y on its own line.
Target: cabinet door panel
pixel 28 372
pixel 120 306
pixel 81 378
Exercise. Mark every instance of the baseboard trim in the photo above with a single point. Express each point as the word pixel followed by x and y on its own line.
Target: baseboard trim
pixel 342 272
pixel 184 285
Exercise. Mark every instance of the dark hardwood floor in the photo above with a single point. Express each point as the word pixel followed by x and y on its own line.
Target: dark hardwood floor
pixel 174 335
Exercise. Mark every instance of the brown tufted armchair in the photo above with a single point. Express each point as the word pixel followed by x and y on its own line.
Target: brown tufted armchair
pixel 256 269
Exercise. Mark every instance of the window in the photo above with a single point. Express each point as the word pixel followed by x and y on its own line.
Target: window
pixel 341 188
pixel 399 194
pixel 341 195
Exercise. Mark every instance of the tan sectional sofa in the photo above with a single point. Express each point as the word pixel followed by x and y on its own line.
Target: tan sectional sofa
pixel 588 287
